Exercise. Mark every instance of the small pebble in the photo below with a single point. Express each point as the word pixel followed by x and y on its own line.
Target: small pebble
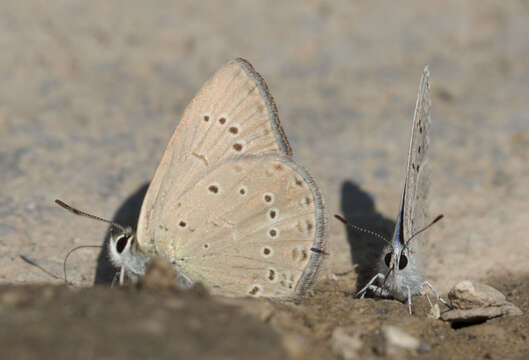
pixel 396 340
pixel 468 295
pixel 345 344
pixel 473 302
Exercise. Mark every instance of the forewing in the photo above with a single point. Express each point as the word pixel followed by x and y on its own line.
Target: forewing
pixel 233 115
pixel 250 226
pixel 418 173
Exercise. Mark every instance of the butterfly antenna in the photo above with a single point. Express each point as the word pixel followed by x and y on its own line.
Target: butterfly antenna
pixel 361 229
pixel 35 264
pixel 68 255
pixel 82 213
pixel 439 217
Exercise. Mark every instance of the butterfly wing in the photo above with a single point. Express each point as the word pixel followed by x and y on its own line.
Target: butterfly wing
pixel 418 170
pixel 247 228
pixel 232 120
pixel 233 115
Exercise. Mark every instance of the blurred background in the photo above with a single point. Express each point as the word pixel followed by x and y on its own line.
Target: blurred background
pixel 90 93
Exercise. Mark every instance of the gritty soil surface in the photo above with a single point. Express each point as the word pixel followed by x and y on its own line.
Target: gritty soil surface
pixel 56 322
pixel 91 92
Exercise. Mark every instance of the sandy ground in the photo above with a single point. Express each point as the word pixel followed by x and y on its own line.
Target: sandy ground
pixel 91 92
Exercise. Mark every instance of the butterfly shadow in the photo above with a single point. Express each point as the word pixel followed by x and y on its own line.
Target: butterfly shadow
pixel 127 215
pixel 358 207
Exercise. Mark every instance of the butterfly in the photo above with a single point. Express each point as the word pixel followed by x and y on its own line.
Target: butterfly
pixel 228 206
pixel 400 274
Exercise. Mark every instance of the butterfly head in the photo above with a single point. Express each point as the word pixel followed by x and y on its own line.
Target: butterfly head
pixel 124 253
pixel 396 259
pixel 123 248
pixel 401 261
pixel 401 270
pixel 400 265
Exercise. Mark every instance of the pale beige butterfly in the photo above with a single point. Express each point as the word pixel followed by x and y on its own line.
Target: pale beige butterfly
pixel 227 205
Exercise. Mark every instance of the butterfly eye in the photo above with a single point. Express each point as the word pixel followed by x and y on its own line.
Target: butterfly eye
pixel 121 244
pixel 403 261
pixel 387 259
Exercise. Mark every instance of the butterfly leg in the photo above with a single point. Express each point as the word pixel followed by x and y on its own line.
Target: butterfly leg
pixel 183 281
pixel 435 293
pixel 115 278
pixel 409 300
pixel 379 291
pixel 425 294
pixel 122 275
pixel 370 285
